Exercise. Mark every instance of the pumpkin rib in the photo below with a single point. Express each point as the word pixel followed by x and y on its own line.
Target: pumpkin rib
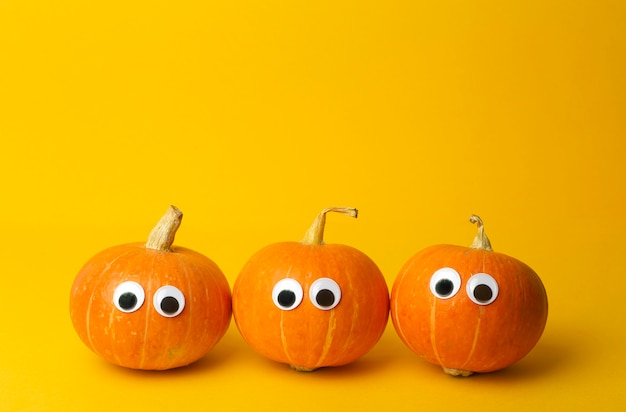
pixel 312 254
pixel 189 314
pixel 481 312
pixel 88 321
pixel 283 339
pixel 225 314
pixel 88 325
pixel 398 323
pixel 182 262
pixel 331 326
pixel 433 331
pixel 100 279
pixel 148 286
pixel 397 287
pixel 328 340
pixel 361 309
pixel 191 274
pixel 355 316
pixel 206 286
pixel 295 257
pixel 116 356
pixel 129 255
pixel 191 291
pixel 520 286
pixel 483 255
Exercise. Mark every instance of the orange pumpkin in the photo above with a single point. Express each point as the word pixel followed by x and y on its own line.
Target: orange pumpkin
pixel 151 306
pixel 468 309
pixel 310 304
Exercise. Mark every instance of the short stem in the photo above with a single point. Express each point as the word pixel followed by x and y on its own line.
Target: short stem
pixel 457 372
pixel 302 368
pixel 315 234
pixel 481 241
pixel 162 236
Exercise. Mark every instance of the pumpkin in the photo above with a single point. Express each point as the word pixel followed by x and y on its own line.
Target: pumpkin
pixel 468 309
pixel 151 306
pixel 310 304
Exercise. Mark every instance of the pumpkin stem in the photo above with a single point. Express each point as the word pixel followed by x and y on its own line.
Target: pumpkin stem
pixel 315 234
pixel 457 372
pixel 302 368
pixel 162 236
pixel 481 241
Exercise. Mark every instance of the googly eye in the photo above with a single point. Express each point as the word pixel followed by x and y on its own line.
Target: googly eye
pixel 287 294
pixel 168 301
pixel 128 296
pixel 482 289
pixel 325 293
pixel 445 283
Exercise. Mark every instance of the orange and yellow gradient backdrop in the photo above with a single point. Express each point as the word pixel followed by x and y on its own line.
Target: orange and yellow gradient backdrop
pixel 252 116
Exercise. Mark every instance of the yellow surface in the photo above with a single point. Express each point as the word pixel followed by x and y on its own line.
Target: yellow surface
pixel 253 116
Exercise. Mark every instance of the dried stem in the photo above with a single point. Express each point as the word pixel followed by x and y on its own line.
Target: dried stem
pixel 162 236
pixel 457 372
pixel 315 234
pixel 481 241
pixel 302 368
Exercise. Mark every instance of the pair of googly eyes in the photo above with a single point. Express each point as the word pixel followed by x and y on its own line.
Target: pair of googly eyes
pixel 324 293
pixel 481 288
pixel 168 300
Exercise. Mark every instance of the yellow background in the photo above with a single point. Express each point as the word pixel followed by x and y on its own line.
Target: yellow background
pixel 252 116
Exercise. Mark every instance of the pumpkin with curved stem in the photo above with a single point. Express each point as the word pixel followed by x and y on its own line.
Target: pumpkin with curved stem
pixel 468 309
pixel 310 304
pixel 151 306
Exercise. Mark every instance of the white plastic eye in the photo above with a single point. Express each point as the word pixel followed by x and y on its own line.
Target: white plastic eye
pixel 325 293
pixel 169 301
pixel 128 296
pixel 482 289
pixel 287 294
pixel 445 283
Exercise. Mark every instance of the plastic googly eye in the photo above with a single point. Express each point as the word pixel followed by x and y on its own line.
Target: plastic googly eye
pixel 445 283
pixel 287 294
pixel 169 301
pixel 325 293
pixel 128 296
pixel 482 289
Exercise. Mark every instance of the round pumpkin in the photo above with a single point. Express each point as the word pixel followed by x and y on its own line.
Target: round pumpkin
pixel 310 304
pixel 151 306
pixel 468 309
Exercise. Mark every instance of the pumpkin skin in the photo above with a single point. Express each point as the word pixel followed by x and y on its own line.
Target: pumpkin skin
pixel 457 333
pixel 144 338
pixel 307 337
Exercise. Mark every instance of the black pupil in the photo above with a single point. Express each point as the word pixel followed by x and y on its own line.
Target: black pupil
pixel 127 300
pixel 444 287
pixel 325 298
pixel 169 305
pixel 483 293
pixel 286 298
